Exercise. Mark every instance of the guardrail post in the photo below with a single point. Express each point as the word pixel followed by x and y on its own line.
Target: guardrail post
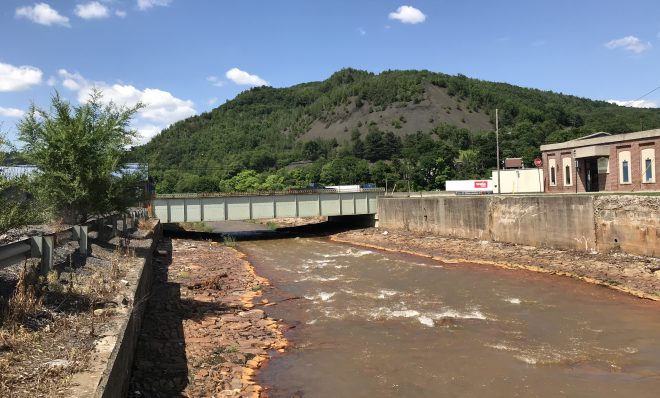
pixel 48 244
pixel 100 226
pixel 36 242
pixel 113 219
pixel 80 232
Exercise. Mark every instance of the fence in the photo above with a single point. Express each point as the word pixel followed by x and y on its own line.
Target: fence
pixel 43 246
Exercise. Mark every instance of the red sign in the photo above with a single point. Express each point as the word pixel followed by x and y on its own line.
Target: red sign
pixel 538 162
pixel 481 184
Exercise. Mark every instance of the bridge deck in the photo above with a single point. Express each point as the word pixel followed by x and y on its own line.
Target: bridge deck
pixel 206 207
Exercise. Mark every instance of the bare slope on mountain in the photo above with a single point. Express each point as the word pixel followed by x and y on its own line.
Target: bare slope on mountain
pixel 400 118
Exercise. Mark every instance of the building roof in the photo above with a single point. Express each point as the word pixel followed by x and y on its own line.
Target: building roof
pixel 601 139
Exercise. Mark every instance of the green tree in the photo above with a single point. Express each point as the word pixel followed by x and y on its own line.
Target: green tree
pixel 17 204
pixel 273 182
pixel 245 181
pixel 78 150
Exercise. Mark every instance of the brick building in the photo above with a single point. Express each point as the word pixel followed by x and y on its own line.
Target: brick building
pixel 603 162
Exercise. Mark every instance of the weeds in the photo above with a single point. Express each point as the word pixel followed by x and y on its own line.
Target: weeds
pixel 229 241
pixel 25 302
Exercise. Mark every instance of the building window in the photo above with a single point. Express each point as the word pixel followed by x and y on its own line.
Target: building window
pixel 568 170
pixel 552 163
pixel 624 167
pixel 603 165
pixel 553 176
pixel 648 165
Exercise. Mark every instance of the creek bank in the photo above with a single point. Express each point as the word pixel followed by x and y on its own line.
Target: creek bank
pixel 203 333
pixel 637 275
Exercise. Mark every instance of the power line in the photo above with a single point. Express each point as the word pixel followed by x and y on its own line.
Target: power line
pixel 655 89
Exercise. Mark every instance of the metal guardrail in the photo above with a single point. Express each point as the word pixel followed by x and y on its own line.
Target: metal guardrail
pixel 260 193
pixel 43 246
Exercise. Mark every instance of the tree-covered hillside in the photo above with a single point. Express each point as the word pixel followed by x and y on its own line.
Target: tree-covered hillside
pixel 358 127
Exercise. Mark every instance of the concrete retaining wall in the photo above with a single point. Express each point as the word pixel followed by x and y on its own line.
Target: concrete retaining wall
pixel 628 223
pixel 568 222
pixel 116 377
pixel 109 375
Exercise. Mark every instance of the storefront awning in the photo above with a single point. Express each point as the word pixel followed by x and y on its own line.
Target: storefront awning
pixel 592 151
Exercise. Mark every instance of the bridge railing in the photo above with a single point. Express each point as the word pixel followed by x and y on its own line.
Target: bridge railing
pixel 42 246
pixel 260 193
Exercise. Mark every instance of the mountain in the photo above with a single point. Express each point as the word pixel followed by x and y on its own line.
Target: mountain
pixel 358 126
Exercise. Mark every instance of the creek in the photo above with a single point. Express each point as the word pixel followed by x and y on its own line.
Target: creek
pixel 366 323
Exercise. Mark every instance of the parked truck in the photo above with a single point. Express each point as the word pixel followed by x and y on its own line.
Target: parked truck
pixel 470 187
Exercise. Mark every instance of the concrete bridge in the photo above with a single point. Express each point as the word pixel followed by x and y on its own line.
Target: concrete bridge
pixel 222 207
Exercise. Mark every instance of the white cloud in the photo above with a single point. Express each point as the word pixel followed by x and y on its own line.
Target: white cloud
pixel 17 78
pixel 243 78
pixel 629 43
pixel 147 4
pixel 120 13
pixel 361 31
pixel 92 10
pixel 161 107
pixel 11 112
pixel 42 14
pixel 52 81
pixel 634 103
pixel 408 14
pixel 212 101
pixel 146 133
pixel 215 80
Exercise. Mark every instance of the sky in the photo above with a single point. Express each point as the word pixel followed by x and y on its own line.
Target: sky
pixel 186 57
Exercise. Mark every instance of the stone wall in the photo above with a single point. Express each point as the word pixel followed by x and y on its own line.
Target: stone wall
pixel 567 222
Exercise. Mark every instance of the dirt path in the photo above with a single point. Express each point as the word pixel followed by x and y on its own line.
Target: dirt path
pixel 201 335
pixel 636 275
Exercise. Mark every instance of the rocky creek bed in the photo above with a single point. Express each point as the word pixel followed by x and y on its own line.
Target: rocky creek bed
pixel 203 334
pixel 636 275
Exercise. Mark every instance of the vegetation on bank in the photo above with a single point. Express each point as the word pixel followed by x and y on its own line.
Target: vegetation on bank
pixel 78 151
pixel 258 140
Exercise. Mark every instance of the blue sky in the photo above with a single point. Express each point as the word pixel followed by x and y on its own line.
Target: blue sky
pixel 184 57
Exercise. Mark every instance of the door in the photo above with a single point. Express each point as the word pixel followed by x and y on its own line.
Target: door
pixel 591 174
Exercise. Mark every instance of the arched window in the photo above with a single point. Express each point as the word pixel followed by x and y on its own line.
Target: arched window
pixel 568 171
pixel 552 163
pixel 624 167
pixel 553 176
pixel 648 165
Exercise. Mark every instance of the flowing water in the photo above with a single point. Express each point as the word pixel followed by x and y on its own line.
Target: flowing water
pixel 372 324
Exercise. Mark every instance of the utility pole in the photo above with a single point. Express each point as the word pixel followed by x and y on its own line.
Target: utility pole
pixel 497 145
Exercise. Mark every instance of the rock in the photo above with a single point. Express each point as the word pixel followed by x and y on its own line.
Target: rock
pixel 385 232
pixel 253 314
pixel 58 363
pixel 124 282
pixel 99 312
